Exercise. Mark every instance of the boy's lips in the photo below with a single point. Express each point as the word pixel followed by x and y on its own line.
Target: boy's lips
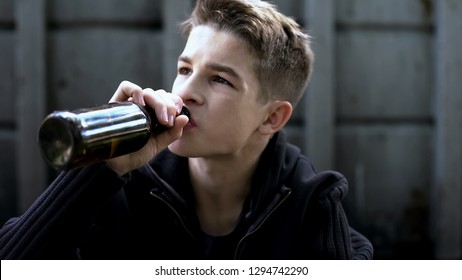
pixel 191 122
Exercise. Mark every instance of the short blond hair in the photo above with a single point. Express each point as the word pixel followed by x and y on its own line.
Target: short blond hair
pixel 283 49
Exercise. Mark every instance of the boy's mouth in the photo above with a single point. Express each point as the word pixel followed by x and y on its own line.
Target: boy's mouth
pixel 191 122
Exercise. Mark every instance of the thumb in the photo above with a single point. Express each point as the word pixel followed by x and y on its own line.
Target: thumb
pixel 164 139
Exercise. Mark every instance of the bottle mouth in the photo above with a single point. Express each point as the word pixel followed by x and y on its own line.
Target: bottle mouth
pixel 56 142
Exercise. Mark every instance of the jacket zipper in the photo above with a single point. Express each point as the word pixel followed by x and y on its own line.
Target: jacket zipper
pixel 174 211
pixel 261 223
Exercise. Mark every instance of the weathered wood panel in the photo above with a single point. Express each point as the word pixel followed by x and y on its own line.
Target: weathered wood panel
pixel 387 166
pixel 86 65
pixel 319 101
pixel 8 181
pixel 30 69
pixel 293 8
pixel 384 74
pixel 448 165
pixel 7 112
pixel 390 12
pixel 173 42
pixel 6 11
pixel 7 108
pixel 384 103
pixel 394 159
pixel 115 11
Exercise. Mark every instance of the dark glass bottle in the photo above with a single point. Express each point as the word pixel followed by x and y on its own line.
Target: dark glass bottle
pixel 81 137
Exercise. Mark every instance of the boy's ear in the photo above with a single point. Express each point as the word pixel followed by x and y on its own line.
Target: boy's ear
pixel 279 113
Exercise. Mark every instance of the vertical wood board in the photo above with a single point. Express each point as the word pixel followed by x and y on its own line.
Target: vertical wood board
pixel 7 93
pixel 121 11
pixel 30 67
pixel 319 100
pixel 8 191
pixel 387 167
pixel 395 159
pixel 292 8
pixel 392 12
pixel 175 12
pixel 384 74
pixel 448 113
pixel 87 65
pixel 6 11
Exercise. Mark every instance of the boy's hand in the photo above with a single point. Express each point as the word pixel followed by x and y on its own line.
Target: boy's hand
pixel 167 107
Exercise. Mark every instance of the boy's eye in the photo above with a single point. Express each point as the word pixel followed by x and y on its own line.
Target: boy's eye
pixel 221 80
pixel 184 71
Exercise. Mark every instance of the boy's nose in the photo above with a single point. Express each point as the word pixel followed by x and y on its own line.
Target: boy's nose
pixel 189 90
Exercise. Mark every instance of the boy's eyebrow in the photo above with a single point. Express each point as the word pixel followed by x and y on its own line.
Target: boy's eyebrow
pixel 214 66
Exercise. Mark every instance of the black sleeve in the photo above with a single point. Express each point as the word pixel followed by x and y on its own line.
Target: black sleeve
pixel 54 225
pixel 361 246
pixel 331 235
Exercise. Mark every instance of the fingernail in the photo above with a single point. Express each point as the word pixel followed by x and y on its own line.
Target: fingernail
pixel 165 117
pixel 170 120
pixel 178 108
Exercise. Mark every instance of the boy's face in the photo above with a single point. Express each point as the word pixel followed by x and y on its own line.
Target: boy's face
pixel 217 81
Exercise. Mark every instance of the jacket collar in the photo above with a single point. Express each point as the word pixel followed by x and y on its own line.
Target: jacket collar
pixel 269 182
pixel 275 165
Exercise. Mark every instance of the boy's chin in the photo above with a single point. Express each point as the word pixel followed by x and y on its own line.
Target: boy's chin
pixel 178 150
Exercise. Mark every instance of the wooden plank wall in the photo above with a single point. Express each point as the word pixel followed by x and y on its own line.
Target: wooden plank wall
pixel 8 182
pixel 319 120
pixel 95 44
pixel 384 123
pixel 447 185
pixel 30 74
pixel 383 106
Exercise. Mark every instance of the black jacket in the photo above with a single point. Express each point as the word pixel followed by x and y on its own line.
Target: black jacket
pixel 293 212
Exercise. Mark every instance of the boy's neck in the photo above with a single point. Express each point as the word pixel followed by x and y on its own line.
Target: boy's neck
pixel 221 186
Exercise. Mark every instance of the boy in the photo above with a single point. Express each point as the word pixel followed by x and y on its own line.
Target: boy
pixel 228 185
